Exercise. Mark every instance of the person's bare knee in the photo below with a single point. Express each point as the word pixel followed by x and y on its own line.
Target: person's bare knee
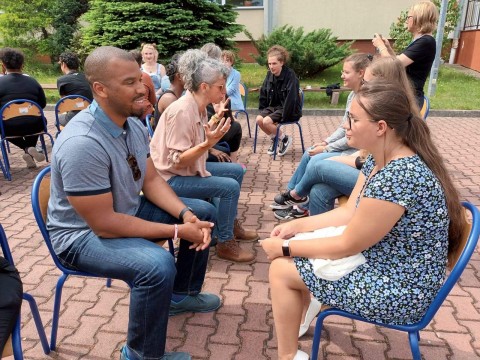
pixel 283 272
pixel 259 120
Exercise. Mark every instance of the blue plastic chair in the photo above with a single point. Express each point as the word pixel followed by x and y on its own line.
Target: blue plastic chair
pixel 16 338
pixel 279 126
pixel 148 124
pixel 40 195
pixel 66 104
pixel 459 261
pixel 425 108
pixel 11 110
pixel 244 94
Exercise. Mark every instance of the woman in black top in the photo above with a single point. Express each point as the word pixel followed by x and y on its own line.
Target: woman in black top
pixel 16 85
pixel 419 55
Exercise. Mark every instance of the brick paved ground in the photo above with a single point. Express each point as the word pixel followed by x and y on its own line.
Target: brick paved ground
pixel 94 319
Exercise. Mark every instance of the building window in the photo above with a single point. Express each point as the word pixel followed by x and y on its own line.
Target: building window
pixel 240 3
pixel 472 18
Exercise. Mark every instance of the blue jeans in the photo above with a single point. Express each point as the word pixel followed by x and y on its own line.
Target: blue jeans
pixel 301 179
pixel 223 186
pixel 151 272
pixel 332 179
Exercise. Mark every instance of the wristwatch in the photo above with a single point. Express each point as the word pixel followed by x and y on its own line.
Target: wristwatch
pixel 286 248
pixel 184 210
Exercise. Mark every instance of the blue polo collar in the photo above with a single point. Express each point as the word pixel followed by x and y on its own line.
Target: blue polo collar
pixel 103 119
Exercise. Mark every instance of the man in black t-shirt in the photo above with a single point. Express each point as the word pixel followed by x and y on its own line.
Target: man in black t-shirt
pixel 72 83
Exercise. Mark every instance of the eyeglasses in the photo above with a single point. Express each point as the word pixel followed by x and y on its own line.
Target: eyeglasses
pixel 349 118
pixel 132 162
pixel 220 86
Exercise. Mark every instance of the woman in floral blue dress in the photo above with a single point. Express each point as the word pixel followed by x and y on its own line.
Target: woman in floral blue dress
pixel 404 216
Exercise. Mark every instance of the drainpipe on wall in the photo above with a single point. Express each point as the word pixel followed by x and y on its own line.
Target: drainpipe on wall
pixel 270 16
pixel 456 32
pixel 432 83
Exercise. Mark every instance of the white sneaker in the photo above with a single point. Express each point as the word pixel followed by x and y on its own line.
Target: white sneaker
pixel 35 154
pixel 312 311
pixel 301 355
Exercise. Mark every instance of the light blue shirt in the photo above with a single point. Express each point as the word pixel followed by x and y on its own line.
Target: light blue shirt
pixel 233 82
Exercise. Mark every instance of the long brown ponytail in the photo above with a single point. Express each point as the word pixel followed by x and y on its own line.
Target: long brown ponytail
pixel 388 101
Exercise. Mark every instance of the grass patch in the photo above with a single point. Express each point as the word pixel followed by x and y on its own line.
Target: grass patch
pixel 455 90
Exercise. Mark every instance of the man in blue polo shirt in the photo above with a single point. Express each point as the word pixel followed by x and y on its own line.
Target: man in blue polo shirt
pixel 99 223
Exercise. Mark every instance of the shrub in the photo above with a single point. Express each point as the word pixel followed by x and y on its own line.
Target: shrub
pixel 310 53
pixel 399 32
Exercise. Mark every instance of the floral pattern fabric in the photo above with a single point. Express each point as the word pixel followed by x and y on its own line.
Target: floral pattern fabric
pixel 405 270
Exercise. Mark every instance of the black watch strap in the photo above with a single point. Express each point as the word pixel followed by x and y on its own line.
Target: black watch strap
pixel 286 248
pixel 184 210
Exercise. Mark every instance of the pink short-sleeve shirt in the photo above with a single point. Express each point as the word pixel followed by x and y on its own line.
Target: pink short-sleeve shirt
pixel 179 129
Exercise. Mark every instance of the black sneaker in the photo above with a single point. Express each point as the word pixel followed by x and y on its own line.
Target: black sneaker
pixel 271 148
pixel 284 201
pixel 289 214
pixel 284 145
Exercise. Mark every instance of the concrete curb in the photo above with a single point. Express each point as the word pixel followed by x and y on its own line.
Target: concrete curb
pixel 340 112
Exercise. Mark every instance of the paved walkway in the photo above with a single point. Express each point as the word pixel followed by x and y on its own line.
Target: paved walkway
pixel 94 318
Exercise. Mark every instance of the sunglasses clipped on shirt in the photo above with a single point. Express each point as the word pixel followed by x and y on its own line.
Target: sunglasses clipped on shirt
pixel 132 162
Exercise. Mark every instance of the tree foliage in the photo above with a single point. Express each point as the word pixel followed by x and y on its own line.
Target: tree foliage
pixel 399 32
pixel 26 23
pixel 65 22
pixel 310 53
pixel 174 25
pixel 40 26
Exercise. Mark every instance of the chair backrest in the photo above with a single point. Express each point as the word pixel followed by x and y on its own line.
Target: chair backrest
pixel 71 103
pixel 243 93
pixel 425 108
pixel 458 261
pixel 21 107
pixel 40 197
pixel 148 123
pixel 301 94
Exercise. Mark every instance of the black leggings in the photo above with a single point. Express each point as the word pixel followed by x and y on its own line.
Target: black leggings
pixel 23 126
pixel 10 300
pixel 233 136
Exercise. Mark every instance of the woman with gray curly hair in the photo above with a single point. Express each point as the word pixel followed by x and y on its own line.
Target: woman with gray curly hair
pixel 180 151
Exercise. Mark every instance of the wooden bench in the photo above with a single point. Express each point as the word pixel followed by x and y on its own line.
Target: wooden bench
pixel 335 92
pixel 49 86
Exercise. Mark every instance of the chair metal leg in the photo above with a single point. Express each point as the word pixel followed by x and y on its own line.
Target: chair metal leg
pixel 4 171
pixel 56 310
pixel 248 124
pixel 301 135
pixel 275 144
pixel 255 139
pixel 413 337
pixel 17 341
pixel 38 322
pixel 316 337
pixel 7 173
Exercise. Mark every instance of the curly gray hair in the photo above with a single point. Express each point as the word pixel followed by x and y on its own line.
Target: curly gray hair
pixel 195 67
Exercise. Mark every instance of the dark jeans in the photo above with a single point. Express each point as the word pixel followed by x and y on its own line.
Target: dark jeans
pixel 151 272
pixel 23 126
pixel 11 291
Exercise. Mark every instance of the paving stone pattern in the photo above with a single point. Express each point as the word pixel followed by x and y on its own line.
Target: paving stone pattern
pixel 93 318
